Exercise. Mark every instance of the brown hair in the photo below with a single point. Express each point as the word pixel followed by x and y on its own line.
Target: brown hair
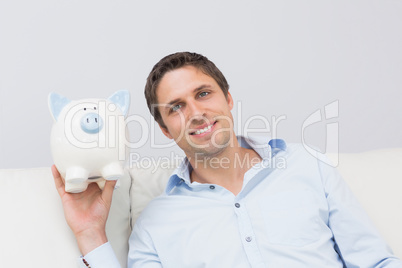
pixel 173 62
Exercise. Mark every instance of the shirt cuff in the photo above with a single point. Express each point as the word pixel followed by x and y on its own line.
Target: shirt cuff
pixel 101 257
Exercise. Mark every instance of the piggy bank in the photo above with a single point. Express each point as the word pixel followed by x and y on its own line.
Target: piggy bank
pixel 88 139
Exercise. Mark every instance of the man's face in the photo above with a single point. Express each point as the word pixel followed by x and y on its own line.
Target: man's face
pixel 195 111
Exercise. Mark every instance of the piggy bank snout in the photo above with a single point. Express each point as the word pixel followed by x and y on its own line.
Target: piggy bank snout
pixel 91 123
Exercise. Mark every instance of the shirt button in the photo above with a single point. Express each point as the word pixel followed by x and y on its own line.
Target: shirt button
pixel 237 205
pixel 211 187
pixel 248 239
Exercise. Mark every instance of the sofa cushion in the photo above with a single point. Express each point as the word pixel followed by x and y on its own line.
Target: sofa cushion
pixel 33 230
pixel 147 184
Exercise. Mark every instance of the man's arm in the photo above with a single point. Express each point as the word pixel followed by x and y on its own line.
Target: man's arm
pixel 359 242
pixel 101 257
pixel 86 213
pixel 142 249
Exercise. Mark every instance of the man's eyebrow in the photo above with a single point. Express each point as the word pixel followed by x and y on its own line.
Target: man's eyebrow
pixel 170 103
pixel 202 87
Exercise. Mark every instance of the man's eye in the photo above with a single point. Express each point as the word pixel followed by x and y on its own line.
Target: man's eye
pixel 175 107
pixel 203 94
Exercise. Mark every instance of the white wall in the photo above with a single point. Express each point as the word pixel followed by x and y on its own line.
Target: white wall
pixel 286 58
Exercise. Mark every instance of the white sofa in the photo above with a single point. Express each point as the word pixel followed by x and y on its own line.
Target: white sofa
pixel 33 231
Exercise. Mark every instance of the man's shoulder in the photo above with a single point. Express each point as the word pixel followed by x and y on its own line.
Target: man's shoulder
pixel 297 150
pixel 301 159
pixel 307 154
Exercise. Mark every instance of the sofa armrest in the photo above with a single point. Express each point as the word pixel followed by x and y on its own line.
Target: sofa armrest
pixel 33 230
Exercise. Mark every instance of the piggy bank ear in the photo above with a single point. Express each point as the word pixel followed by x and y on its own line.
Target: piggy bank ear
pixel 56 103
pixel 122 99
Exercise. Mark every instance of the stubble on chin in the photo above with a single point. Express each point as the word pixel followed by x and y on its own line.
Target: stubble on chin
pixel 215 146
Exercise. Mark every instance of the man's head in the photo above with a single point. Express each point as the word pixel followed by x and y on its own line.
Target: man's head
pixel 173 62
pixel 189 98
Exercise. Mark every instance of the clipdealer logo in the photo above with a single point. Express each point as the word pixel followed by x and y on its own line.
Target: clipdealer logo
pixel 331 111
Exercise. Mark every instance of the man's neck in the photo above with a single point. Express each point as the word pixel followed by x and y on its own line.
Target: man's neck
pixel 226 169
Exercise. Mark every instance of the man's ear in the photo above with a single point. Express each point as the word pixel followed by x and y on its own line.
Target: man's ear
pixel 165 131
pixel 230 100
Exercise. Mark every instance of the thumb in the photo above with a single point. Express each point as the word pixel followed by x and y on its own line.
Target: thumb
pixel 107 193
pixel 58 181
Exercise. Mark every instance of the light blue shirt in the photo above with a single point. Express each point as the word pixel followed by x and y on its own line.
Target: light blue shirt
pixel 293 211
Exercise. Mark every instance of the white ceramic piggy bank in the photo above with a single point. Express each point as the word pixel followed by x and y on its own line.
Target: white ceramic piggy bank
pixel 88 139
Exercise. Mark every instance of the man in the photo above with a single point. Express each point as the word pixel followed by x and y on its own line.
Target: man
pixel 228 205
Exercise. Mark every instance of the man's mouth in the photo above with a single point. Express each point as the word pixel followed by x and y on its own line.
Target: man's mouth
pixel 203 130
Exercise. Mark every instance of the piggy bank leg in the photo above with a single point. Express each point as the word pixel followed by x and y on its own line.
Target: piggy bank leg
pixel 76 174
pixel 112 171
pixel 76 179
pixel 75 187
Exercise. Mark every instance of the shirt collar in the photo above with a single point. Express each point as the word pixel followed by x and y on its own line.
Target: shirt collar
pixel 182 172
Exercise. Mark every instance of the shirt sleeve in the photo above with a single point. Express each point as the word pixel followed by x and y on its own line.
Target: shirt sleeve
pixel 142 250
pixel 101 257
pixel 358 241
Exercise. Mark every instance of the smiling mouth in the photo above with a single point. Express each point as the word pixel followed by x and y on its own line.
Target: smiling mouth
pixel 202 130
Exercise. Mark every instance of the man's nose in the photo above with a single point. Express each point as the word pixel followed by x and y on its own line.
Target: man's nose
pixel 195 110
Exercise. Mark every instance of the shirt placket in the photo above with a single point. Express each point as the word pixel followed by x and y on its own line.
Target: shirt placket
pixel 247 234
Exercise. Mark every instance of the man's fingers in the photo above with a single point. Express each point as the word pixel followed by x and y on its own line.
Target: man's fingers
pixel 107 192
pixel 58 181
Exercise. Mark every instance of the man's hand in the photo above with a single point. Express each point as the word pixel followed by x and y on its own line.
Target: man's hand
pixel 86 213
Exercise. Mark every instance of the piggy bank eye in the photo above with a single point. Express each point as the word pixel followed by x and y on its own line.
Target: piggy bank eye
pixel 94 108
pixel 85 109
